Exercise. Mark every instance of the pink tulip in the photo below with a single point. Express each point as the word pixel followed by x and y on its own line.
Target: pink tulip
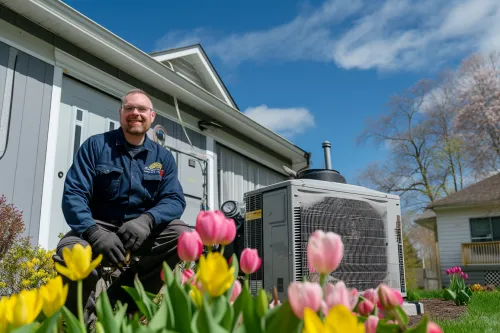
pixel 466 276
pixel 236 291
pixel 302 295
pixel 433 328
pixel 271 305
pixel 325 251
pixel 448 271
pixel 371 295
pixel 250 261
pixel 365 307
pixel 229 233
pixel 211 226
pixel 338 294
pixel 186 275
pixel 389 298
pixel 371 324
pixel 189 246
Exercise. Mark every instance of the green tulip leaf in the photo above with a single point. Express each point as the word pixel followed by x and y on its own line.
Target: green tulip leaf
pixel 219 308
pixel 106 315
pixel 48 324
pixel 205 322
pixel 169 275
pixel 237 310
pixel 402 315
pixel 182 310
pixel 160 319
pixel 72 323
pixel 282 319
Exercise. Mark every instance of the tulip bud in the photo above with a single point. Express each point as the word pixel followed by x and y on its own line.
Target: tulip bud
pixel 325 251
pixel 365 307
pixel 229 233
pixel 262 303
pixel 186 275
pixel 250 261
pixel 433 328
pixel 189 246
pixel 466 276
pixel 448 272
pixel 235 292
pixel 303 295
pixel 371 295
pixel 371 324
pixel 211 226
pixel 388 297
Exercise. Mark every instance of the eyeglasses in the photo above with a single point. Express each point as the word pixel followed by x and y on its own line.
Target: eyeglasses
pixel 140 108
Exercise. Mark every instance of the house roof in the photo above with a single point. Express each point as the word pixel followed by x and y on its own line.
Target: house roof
pixel 486 191
pixel 78 29
pixel 197 57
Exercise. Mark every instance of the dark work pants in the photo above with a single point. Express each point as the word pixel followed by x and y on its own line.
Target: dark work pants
pixel 159 247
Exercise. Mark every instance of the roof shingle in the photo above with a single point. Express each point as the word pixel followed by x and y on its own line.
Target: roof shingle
pixel 486 191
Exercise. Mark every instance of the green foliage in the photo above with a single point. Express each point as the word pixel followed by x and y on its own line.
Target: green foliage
pixel 457 290
pixel 11 225
pixel 411 261
pixel 412 295
pixel 24 267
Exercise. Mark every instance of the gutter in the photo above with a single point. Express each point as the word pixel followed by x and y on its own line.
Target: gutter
pixel 60 18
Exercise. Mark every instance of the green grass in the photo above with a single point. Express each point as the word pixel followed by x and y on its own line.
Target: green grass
pixel 414 295
pixel 482 315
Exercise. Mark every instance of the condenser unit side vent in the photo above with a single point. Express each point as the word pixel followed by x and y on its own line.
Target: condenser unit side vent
pixel 300 247
pixel 400 255
pixel 254 239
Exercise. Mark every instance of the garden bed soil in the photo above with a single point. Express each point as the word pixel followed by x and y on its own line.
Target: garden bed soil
pixel 438 309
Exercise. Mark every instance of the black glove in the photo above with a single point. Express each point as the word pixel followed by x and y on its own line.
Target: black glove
pixel 134 232
pixel 106 243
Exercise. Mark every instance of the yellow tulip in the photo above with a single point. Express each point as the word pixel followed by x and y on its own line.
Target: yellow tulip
pixel 78 262
pixel 54 295
pixel 196 296
pixel 23 308
pixel 339 320
pixel 214 274
pixel 4 302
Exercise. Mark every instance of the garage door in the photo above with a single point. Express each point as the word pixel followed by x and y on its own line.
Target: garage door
pixel 86 111
pixel 238 174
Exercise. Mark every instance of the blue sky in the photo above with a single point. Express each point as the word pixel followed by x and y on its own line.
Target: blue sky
pixel 327 65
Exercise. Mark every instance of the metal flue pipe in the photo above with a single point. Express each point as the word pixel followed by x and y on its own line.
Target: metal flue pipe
pixel 328 161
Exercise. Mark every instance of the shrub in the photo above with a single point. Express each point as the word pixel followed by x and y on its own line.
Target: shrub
pixel 457 291
pixel 11 225
pixel 25 267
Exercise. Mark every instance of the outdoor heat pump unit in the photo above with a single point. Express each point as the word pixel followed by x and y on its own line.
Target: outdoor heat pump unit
pixel 281 217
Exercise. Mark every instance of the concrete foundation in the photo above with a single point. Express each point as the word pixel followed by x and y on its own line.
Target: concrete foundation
pixel 413 308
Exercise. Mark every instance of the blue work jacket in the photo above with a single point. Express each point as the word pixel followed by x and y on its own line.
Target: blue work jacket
pixel 105 183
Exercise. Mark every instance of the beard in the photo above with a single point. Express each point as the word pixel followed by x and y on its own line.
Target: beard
pixel 136 126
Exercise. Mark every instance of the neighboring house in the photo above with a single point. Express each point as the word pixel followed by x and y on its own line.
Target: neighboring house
pixel 467 229
pixel 61 80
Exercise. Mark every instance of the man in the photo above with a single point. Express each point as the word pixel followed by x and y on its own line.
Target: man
pixel 122 194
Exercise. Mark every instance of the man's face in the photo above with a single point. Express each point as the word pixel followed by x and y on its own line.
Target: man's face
pixel 136 114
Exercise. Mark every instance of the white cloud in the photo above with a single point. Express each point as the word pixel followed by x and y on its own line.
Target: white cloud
pixel 287 122
pixel 387 35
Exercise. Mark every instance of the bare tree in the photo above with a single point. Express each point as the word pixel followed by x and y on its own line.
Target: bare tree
pixel 407 133
pixel 478 116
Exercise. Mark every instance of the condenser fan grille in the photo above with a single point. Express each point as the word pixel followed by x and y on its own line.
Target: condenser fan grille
pixel 363 231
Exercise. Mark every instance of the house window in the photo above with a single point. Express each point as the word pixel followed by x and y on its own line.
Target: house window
pixel 111 124
pixel 485 229
pixel 79 120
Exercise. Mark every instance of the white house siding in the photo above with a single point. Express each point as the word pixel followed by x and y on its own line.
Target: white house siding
pixel 453 229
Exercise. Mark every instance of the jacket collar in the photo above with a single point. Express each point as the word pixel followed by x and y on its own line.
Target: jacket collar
pixel 120 139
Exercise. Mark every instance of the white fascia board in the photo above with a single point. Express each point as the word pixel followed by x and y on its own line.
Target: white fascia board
pixel 77 28
pixel 196 50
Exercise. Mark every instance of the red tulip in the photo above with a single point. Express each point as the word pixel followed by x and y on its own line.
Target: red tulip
pixel 433 328
pixel 371 324
pixel 229 233
pixel 211 226
pixel 365 307
pixel 186 275
pixel 389 298
pixel 236 291
pixel 302 295
pixel 189 246
pixel 325 251
pixel 250 261
pixel 371 295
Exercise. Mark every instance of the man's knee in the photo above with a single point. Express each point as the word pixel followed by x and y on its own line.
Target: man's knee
pixel 68 241
pixel 178 227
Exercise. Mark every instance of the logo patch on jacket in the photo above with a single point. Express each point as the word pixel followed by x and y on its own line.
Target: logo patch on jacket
pixel 154 169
